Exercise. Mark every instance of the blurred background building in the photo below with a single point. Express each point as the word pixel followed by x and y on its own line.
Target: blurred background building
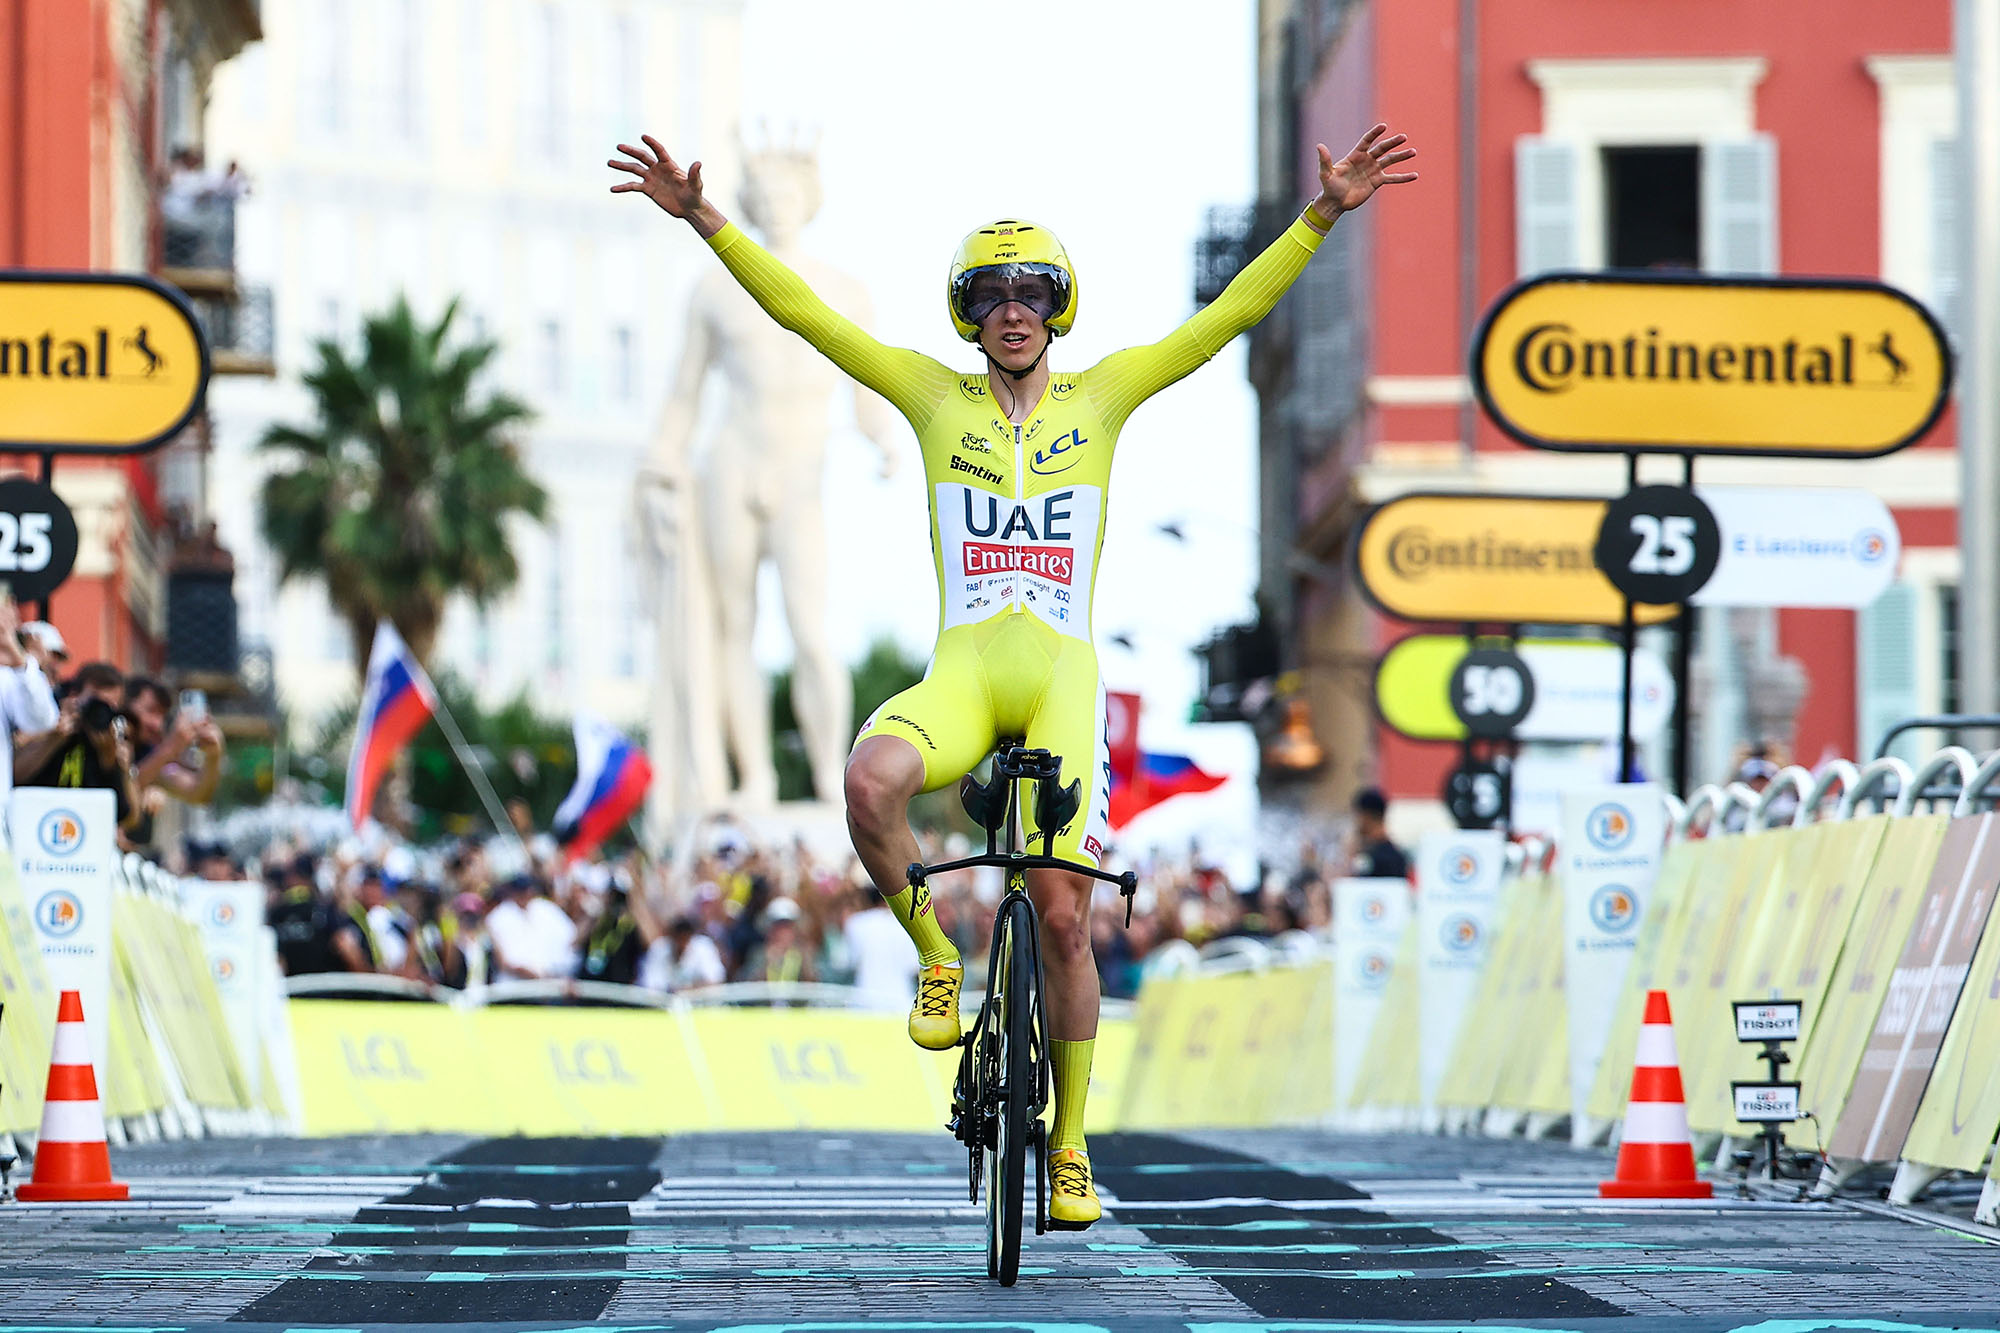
pixel 99 96
pixel 1567 134
pixel 454 150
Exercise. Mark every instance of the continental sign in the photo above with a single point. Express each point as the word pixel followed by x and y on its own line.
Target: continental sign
pixel 1490 559
pixel 1597 363
pixel 96 362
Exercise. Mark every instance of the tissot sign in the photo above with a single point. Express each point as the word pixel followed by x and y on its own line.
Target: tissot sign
pixel 96 362
pixel 1490 559
pixel 1606 363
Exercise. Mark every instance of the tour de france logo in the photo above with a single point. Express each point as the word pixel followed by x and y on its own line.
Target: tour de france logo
pixel 1870 547
pixel 1609 827
pixel 60 832
pixel 59 914
pixel 1375 969
pixel 1459 934
pixel 1460 866
pixel 1613 909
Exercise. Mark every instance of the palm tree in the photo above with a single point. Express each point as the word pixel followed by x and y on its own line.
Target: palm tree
pixel 398 496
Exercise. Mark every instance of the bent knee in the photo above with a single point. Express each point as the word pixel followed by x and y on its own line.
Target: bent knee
pixel 880 780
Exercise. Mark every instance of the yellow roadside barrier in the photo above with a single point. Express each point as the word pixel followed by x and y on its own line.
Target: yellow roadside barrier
pixel 1388 1079
pixel 1682 876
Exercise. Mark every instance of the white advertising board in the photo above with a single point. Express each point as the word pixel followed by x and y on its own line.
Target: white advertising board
pixel 1369 918
pixel 1800 546
pixel 1609 853
pixel 1578 687
pixel 1458 891
pixel 65 846
pixel 230 918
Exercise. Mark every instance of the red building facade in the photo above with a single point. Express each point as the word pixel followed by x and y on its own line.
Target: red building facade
pixel 1794 137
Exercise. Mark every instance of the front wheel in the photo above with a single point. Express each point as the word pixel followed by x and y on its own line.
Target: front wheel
pixel 1007 1158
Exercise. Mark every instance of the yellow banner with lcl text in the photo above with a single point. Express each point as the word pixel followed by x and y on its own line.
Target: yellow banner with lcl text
pixel 1490 559
pixel 96 362
pixel 1804 367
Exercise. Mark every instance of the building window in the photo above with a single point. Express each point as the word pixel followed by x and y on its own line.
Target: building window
pixel 624 376
pixel 1652 207
pixel 325 83
pixel 472 70
pixel 543 133
pixel 402 33
pixel 551 350
pixel 626 113
pixel 555 651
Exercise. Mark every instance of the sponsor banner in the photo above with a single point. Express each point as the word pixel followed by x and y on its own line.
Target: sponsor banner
pixel 1821 368
pixel 230 921
pixel 1800 546
pixel 97 362
pixel 1370 916
pixel 1610 847
pixel 1458 893
pixel 64 849
pixel 1490 559
pixel 1578 684
pixel 1034 553
pixel 1922 994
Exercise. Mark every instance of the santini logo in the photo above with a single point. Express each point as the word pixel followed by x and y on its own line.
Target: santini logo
pixel 985 474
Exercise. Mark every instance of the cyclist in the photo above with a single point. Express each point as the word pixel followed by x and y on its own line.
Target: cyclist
pixel 1017 461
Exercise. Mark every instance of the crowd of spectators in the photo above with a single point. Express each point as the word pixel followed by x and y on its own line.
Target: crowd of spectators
pixel 94 726
pixel 737 910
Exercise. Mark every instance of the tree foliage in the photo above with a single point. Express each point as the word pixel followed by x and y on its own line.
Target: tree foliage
pixel 398 495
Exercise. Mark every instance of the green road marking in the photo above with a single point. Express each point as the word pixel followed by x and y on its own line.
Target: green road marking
pixel 1299 1168
pixel 1107 1247
pixel 1440 1275
pixel 1301 1224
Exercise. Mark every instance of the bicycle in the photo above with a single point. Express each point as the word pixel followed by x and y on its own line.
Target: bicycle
pixel 1002 1085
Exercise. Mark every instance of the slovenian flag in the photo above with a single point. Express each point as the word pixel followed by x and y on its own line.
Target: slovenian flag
pixel 1141 779
pixel 612 775
pixel 396 701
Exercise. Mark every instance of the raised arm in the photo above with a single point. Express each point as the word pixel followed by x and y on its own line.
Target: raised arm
pixel 1123 380
pixel 914 383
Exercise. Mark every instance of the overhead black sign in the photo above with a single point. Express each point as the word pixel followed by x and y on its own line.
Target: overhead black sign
pixel 37 539
pixel 1658 544
pixel 1491 691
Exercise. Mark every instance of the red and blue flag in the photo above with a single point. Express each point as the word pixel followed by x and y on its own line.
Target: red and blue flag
pixel 1141 779
pixel 396 701
pixel 612 775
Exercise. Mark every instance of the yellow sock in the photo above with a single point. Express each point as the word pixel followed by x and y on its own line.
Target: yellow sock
pixel 913 908
pixel 1072 1069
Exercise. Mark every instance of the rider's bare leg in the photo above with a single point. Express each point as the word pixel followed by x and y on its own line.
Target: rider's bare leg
pixel 883 773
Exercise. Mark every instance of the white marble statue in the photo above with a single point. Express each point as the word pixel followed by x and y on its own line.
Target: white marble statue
pixel 755 490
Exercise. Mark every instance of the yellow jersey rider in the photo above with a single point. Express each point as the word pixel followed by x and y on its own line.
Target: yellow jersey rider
pixel 1017 462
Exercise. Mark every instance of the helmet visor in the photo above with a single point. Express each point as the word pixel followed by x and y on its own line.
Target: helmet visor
pixel 1042 288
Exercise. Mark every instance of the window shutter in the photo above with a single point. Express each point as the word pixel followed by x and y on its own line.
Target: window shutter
pixel 1887 657
pixel 1327 368
pixel 1945 240
pixel 1545 204
pixel 1739 205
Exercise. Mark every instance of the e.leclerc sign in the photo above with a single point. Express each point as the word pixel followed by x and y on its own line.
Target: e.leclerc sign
pixel 1614 362
pixel 96 363
pixel 1490 559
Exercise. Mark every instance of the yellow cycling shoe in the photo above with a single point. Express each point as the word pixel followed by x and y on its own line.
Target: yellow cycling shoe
pixel 1072 1198
pixel 934 1017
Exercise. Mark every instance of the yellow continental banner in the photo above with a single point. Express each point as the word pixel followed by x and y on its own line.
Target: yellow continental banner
pixel 1666 919
pixel 1825 368
pixel 1489 559
pixel 96 362
pixel 1890 900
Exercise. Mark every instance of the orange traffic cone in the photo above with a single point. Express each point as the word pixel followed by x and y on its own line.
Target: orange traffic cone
pixel 72 1163
pixel 1656 1156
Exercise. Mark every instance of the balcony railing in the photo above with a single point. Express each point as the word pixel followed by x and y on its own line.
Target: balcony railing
pixel 1234 236
pixel 199 232
pixel 241 329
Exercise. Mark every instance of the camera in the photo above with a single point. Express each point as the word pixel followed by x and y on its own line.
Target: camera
pixel 96 715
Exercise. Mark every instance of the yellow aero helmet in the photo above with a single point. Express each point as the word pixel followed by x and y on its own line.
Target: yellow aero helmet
pixel 1011 255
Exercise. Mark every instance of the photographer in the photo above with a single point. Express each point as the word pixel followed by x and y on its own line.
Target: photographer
pixel 27 704
pixel 163 750
pixel 624 928
pixel 89 745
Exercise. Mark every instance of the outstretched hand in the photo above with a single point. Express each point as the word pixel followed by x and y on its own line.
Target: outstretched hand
pixel 661 179
pixel 1352 181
